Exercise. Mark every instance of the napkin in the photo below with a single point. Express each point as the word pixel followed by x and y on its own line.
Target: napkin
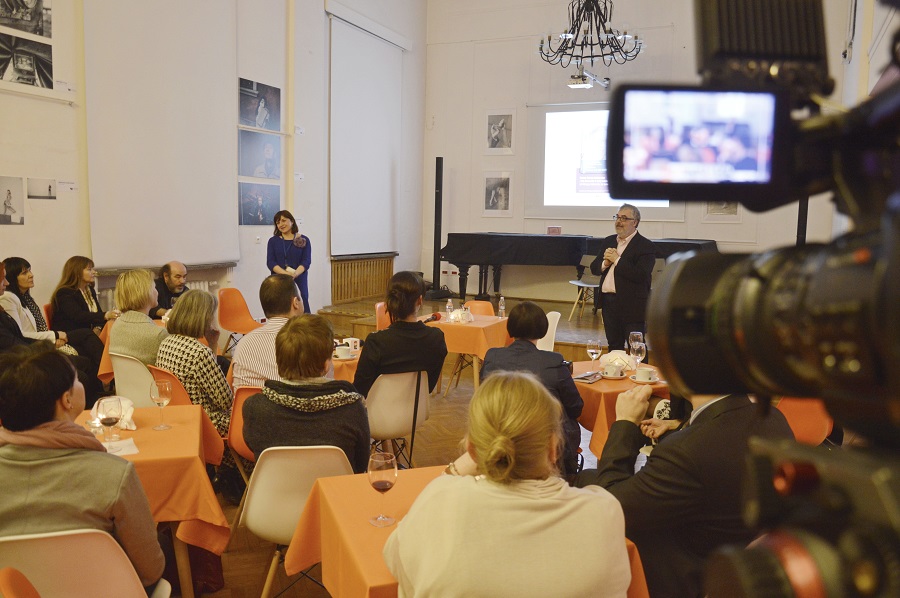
pixel 127 420
pixel 620 357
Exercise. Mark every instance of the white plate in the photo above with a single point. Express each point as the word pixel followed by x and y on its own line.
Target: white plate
pixel 351 358
pixel 622 377
pixel 636 381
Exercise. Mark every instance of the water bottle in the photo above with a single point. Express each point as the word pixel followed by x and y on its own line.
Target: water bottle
pixel 501 307
pixel 449 308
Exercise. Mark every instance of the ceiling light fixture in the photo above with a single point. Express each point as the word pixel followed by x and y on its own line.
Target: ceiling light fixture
pixel 590 38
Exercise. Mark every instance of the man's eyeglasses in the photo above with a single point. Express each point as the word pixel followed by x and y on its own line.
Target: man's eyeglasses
pixel 622 218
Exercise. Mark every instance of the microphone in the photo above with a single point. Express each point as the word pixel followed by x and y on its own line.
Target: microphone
pixel 433 317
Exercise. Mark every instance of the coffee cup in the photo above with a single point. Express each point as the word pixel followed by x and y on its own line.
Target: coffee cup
pixel 342 352
pixel 644 374
pixel 613 370
pixel 353 343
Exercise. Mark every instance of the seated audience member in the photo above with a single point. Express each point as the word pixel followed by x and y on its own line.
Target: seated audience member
pixel 21 306
pixel 76 309
pixel 686 501
pixel 134 333
pixel 11 337
pixel 56 475
pixel 527 324
pixel 515 528
pixel 170 286
pixel 254 356
pixel 194 363
pixel 304 408
pixel 407 345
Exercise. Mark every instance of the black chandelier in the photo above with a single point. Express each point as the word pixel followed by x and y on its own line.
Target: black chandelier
pixel 589 38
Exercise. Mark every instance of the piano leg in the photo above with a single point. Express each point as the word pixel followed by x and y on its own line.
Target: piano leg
pixel 483 284
pixel 463 280
pixel 498 268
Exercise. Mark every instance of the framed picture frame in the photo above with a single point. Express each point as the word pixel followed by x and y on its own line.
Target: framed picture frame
pixel 722 212
pixel 497 201
pixel 499 129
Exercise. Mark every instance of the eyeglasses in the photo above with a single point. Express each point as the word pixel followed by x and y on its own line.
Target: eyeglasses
pixel 622 218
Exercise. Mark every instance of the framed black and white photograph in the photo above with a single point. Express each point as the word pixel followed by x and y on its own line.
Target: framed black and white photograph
pixel 496 195
pixel 258 204
pixel 12 194
pixel 260 105
pixel 26 62
pixel 41 188
pixel 728 212
pixel 499 125
pixel 30 16
pixel 260 155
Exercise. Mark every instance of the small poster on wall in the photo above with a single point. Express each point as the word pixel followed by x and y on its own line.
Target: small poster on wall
pixel 41 188
pixel 496 194
pixel 30 16
pixel 260 105
pixel 26 62
pixel 260 155
pixel 12 191
pixel 499 132
pixel 258 204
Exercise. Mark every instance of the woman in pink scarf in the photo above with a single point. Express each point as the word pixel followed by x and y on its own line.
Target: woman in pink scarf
pixel 57 476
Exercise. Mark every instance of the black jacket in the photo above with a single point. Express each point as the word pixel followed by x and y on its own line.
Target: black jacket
pixel 633 273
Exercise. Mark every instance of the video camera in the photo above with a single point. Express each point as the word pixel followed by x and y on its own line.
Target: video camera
pixel 807 321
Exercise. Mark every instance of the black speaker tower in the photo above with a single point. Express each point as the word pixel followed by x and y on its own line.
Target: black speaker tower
pixel 436 292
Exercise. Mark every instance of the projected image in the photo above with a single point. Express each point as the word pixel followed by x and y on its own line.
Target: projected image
pixel 698 136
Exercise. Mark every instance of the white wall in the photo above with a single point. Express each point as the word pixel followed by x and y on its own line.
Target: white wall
pixel 483 55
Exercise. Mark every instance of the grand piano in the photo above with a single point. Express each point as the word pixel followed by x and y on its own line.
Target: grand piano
pixel 495 250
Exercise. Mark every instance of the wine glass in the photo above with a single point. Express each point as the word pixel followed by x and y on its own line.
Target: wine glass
pixel 635 337
pixel 638 351
pixel 161 393
pixel 593 350
pixel 382 475
pixel 109 410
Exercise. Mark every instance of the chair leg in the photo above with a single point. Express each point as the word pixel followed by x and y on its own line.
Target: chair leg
pixel 237 519
pixel 270 577
pixel 574 305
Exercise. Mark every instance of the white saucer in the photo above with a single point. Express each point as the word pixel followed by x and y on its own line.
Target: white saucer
pixel 636 381
pixel 622 377
pixel 351 358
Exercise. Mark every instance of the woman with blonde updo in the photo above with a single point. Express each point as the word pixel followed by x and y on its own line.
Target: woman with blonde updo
pixel 134 332
pixel 515 506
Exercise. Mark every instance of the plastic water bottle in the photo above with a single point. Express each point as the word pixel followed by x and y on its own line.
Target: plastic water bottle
pixel 449 308
pixel 501 307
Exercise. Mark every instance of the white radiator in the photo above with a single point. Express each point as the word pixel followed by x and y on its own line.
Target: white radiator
pixel 203 285
pixel 108 296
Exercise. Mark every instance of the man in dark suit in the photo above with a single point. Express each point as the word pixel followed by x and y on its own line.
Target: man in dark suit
pixel 527 324
pixel 629 257
pixel 686 501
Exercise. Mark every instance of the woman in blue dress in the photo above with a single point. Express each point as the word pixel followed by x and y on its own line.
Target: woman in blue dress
pixel 290 253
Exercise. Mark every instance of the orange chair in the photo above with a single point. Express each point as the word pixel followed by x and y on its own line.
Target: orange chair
pixel 234 315
pixel 229 375
pixel 808 419
pixel 236 443
pixel 382 319
pixel 48 315
pixel 14 584
pixel 180 395
pixel 480 308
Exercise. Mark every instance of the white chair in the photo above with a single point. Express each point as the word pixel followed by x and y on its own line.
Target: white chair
pixel 397 404
pixel 587 285
pixel 549 341
pixel 132 379
pixel 278 490
pixel 80 563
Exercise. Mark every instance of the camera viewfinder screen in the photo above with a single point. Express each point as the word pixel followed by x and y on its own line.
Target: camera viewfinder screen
pixel 701 137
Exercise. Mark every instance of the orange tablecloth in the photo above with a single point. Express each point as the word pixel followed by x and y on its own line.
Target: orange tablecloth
pixel 345 369
pixel 171 466
pixel 599 411
pixel 474 338
pixel 334 529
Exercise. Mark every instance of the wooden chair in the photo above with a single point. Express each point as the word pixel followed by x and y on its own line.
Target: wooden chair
pixel 587 285
pixel 234 315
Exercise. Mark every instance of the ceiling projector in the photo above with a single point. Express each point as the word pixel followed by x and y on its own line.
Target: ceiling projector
pixel 585 80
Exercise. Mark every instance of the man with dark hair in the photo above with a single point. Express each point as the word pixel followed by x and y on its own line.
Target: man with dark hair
pixel 686 501
pixel 625 266
pixel 254 355
pixel 170 285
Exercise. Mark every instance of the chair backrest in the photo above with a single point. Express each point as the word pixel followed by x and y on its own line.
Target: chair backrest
pixel 382 318
pixel 14 584
pixel 236 424
pixel 48 315
pixel 390 405
pixel 132 379
pixel 480 308
pixel 180 395
pixel 234 315
pixel 280 484
pixel 808 419
pixel 52 562
pixel 229 375
pixel 549 341
pixel 588 278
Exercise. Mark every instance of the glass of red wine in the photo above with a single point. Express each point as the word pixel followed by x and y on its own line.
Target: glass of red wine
pixel 109 410
pixel 382 475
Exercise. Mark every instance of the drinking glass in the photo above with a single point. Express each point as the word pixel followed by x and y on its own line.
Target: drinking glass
pixel 635 337
pixel 382 475
pixel 593 350
pixel 109 410
pixel 638 351
pixel 161 393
